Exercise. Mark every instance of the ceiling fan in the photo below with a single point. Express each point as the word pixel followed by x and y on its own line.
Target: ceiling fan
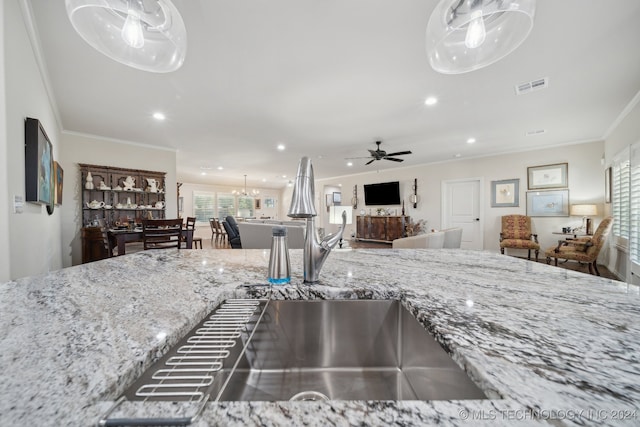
pixel 379 154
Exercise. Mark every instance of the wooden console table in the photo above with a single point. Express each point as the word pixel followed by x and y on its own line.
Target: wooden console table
pixel 381 228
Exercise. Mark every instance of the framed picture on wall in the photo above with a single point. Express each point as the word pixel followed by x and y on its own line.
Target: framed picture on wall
pixel 58 175
pixel 38 166
pixel 505 193
pixel 258 204
pixel 337 198
pixel 548 176
pixel 548 203
pixel 269 202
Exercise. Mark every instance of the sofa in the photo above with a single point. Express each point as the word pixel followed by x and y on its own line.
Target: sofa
pixel 450 238
pixel 256 233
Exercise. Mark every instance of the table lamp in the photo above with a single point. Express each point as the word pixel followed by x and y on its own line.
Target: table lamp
pixel 585 211
pixel 335 216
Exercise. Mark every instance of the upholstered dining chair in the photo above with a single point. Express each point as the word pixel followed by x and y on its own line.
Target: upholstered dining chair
pixel 233 232
pixel 161 233
pixel 452 238
pixel 516 234
pixel 582 249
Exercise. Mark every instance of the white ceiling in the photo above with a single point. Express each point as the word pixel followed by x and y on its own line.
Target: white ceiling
pixel 328 78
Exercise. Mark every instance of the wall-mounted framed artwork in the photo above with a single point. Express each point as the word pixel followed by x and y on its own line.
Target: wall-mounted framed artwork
pixel 505 193
pixel 269 202
pixel 38 164
pixel 548 203
pixel 548 176
pixel 337 198
pixel 258 204
pixel 58 180
pixel 607 185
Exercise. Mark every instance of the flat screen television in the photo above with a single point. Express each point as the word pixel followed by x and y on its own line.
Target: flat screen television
pixel 384 193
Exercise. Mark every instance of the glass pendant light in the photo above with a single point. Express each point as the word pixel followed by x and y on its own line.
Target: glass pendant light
pixel 145 34
pixel 465 35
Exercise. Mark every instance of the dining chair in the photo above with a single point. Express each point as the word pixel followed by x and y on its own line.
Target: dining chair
pixel 452 238
pixel 212 224
pixel 191 226
pixel 222 233
pixel 161 233
pixel 105 237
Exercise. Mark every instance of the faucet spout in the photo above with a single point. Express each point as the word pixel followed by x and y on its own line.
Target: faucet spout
pixel 302 206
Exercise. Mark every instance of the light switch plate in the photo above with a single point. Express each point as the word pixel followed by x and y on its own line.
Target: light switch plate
pixel 18 204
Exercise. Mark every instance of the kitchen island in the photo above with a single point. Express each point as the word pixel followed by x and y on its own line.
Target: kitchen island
pixel 546 345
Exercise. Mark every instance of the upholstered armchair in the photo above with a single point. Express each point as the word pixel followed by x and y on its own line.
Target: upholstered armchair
pixel 516 234
pixel 583 249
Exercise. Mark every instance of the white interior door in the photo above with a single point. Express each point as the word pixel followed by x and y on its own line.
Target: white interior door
pixel 461 208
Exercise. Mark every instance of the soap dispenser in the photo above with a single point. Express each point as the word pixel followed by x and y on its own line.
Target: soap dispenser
pixel 279 265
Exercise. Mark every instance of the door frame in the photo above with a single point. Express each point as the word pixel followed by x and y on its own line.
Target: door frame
pixel 444 184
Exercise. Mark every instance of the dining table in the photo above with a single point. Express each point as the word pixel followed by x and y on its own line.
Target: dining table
pixel 118 238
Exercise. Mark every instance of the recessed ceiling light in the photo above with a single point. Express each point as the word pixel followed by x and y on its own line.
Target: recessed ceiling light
pixel 159 116
pixel 471 140
pixel 220 168
pixel 457 155
pixel 339 185
pixel 284 176
pixel 264 179
pixel 203 173
pixel 432 100
pixel 349 163
pixel 281 147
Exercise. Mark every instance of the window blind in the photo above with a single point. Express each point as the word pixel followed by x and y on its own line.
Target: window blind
pixel 226 205
pixel 620 204
pixel 203 206
pixel 634 205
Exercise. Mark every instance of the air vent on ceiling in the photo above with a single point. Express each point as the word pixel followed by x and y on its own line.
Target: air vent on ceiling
pixel 535 132
pixel 527 87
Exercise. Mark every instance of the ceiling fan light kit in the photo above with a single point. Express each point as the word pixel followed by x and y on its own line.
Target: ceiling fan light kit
pixel 466 35
pixel 149 35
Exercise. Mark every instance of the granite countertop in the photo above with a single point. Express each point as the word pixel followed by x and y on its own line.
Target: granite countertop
pixel 546 345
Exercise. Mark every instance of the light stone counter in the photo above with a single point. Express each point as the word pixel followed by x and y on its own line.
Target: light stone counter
pixel 547 345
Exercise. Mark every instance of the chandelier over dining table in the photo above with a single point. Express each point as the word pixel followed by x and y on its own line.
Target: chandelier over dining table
pixel 244 192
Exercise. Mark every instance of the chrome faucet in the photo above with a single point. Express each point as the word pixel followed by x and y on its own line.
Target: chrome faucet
pixel 302 206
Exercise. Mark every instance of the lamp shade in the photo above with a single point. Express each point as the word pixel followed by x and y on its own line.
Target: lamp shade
pixel 335 214
pixel 465 35
pixel 584 210
pixel 145 34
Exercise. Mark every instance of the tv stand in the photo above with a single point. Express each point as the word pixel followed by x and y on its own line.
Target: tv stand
pixel 381 228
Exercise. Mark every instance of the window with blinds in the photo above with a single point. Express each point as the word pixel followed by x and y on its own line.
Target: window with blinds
pixel 245 206
pixel 204 206
pixel 226 205
pixel 634 206
pixel 620 203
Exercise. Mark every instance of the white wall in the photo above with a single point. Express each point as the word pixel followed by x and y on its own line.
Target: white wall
pixel 626 133
pixel 77 148
pixel 4 162
pixel 586 185
pixel 34 237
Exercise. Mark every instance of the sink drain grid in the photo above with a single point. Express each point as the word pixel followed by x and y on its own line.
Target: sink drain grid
pixel 193 368
pixel 190 371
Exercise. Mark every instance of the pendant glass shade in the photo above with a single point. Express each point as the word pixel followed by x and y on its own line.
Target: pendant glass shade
pixel 145 34
pixel 465 35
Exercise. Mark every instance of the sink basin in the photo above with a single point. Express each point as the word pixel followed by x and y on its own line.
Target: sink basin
pixel 338 350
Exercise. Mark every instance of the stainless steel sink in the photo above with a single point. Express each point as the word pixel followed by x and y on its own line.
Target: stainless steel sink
pixel 338 350
pixel 345 350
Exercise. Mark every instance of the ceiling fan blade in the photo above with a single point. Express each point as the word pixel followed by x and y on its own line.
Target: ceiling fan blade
pixel 394 160
pixel 369 162
pixel 355 158
pixel 399 153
